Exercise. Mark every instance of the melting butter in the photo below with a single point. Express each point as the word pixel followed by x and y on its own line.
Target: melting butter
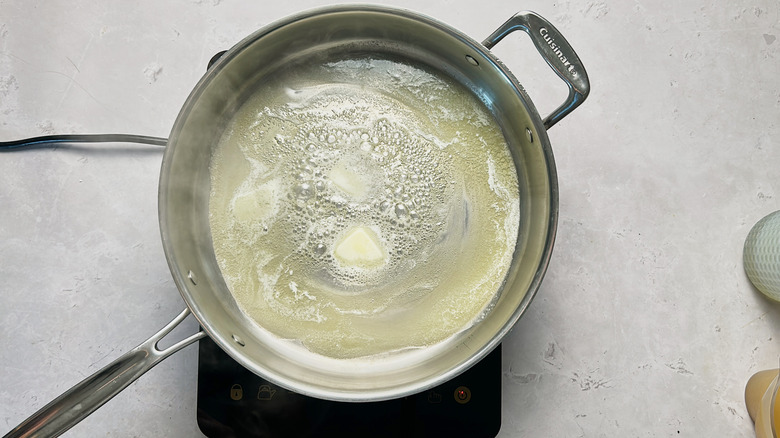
pixel 360 247
pixel 363 207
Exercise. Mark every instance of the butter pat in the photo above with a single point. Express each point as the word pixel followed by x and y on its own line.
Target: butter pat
pixel 348 181
pixel 360 247
pixel 255 205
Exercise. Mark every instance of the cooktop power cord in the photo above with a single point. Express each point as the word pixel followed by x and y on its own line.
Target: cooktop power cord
pixel 81 138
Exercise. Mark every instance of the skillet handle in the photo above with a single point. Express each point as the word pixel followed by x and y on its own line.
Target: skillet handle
pixel 78 402
pixel 556 51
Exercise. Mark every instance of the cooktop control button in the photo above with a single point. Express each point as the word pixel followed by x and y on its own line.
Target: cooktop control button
pixel 236 392
pixel 265 392
pixel 462 395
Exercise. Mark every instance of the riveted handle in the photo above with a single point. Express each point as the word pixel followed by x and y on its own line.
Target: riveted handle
pixel 558 54
pixel 78 402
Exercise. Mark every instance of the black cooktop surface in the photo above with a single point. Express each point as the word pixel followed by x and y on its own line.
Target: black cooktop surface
pixel 234 402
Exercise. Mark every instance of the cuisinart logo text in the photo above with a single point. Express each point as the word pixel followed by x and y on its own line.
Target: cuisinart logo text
pixel 551 42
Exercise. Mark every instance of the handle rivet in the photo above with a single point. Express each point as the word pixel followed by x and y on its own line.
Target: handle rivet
pixel 529 134
pixel 192 277
pixel 471 60
pixel 238 340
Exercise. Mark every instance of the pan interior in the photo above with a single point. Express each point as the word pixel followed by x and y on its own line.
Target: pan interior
pixel 327 39
pixel 363 206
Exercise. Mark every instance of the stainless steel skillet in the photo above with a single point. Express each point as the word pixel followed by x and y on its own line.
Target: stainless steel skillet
pixel 316 36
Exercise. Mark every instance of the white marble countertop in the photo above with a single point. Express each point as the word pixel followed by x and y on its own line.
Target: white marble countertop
pixel 645 325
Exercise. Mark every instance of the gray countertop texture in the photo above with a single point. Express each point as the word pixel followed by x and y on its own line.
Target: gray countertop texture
pixel 645 325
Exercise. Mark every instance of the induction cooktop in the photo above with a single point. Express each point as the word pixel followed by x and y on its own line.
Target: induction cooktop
pixel 234 402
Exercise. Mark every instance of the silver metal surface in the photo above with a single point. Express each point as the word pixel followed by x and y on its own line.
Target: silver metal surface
pixel 322 36
pixel 556 51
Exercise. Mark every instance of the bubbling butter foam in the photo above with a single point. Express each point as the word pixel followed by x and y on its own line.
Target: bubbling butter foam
pixel 362 207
